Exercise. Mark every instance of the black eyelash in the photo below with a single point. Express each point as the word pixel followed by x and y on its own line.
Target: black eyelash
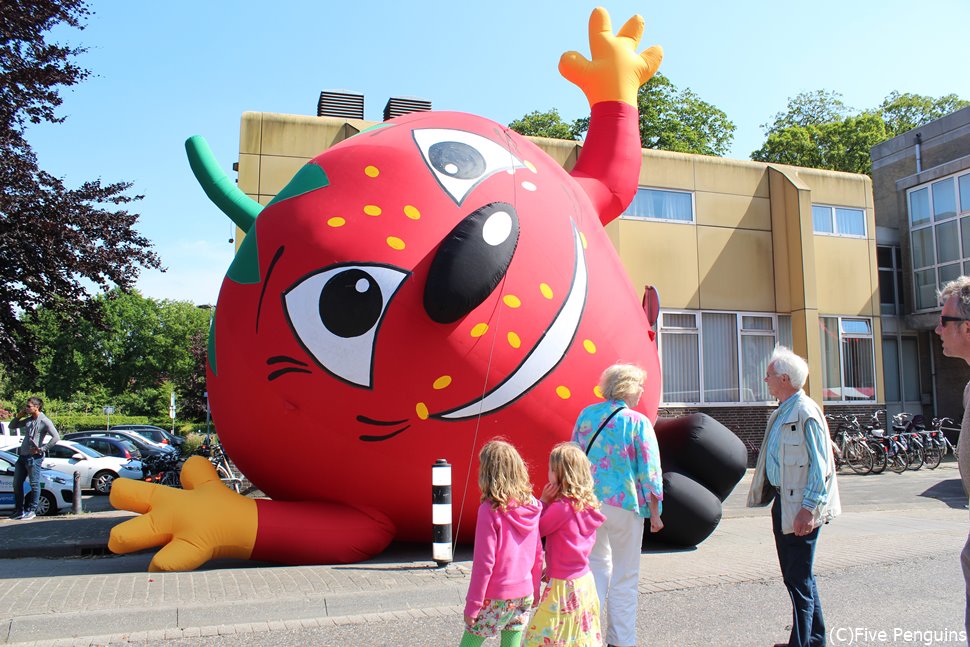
pixel 283 358
pixel 262 293
pixel 383 423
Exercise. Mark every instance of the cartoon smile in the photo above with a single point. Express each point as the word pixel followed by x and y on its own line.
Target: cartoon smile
pixel 543 357
pixel 541 360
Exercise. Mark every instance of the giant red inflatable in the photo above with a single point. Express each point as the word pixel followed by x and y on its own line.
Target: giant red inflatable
pixel 414 291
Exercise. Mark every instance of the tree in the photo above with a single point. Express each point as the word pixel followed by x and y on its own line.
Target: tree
pixel 143 350
pixel 904 112
pixel 819 131
pixel 55 239
pixel 546 124
pixel 670 119
pixel 841 145
pixel 679 120
pixel 810 109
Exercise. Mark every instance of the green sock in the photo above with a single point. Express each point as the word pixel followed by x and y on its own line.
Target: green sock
pixel 471 640
pixel 511 638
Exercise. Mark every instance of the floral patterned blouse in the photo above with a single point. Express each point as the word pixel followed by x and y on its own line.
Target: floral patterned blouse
pixel 625 457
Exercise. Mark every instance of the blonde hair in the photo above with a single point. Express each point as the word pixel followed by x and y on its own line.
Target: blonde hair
pixel 568 462
pixel 502 475
pixel 622 382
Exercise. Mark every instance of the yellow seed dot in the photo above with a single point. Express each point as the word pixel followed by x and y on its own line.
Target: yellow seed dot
pixel 479 330
pixel 512 301
pixel 372 171
pixel 529 165
pixel 597 391
pixel 514 340
pixel 422 410
pixel 336 221
pixel 442 382
pixel 589 346
pixel 582 237
pixel 395 243
pixel 546 290
pixel 411 212
pixel 374 210
pixel 563 392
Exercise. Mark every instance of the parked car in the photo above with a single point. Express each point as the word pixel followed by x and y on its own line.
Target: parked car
pixel 97 471
pixel 153 433
pixel 145 446
pixel 110 446
pixel 56 490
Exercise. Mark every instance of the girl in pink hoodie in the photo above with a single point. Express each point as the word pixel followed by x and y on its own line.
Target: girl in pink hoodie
pixel 508 554
pixel 569 611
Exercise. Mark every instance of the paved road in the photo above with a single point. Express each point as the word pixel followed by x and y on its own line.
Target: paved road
pixel 860 602
pixel 893 554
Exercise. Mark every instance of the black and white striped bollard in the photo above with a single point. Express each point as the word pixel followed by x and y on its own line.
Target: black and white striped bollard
pixel 441 512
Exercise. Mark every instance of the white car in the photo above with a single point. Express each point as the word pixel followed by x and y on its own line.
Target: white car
pixel 97 471
pixel 56 490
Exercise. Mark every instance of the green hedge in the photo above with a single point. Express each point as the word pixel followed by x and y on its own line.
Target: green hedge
pixel 69 422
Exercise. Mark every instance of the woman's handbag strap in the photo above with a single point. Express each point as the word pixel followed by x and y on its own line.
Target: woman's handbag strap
pixel 608 418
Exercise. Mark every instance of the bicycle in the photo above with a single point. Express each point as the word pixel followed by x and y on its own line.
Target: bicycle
pixel 936 443
pixel 850 447
pixel 941 425
pixel 892 448
pixel 910 430
pixel 875 439
pixel 217 456
pixel 162 469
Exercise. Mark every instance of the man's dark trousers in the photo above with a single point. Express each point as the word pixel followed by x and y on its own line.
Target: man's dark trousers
pixel 26 467
pixel 796 556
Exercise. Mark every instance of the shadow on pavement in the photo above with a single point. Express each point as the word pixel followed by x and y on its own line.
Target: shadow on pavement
pixel 949 492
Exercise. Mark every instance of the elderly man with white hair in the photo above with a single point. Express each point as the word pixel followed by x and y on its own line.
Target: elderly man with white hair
pixel 796 471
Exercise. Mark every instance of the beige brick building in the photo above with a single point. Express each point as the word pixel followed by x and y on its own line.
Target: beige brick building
pixel 744 255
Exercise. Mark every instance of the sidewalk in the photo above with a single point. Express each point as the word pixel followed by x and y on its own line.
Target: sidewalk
pixel 923 512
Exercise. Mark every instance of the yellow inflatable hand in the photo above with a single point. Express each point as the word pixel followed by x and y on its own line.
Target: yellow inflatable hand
pixel 615 72
pixel 206 520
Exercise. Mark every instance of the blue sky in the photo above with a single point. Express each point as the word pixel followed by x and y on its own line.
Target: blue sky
pixel 165 71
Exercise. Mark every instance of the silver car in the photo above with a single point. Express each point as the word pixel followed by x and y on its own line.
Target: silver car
pixel 56 489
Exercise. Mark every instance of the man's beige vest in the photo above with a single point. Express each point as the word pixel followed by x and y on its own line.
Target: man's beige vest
pixel 794 467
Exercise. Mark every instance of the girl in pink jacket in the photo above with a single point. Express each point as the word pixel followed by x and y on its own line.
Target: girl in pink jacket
pixel 508 554
pixel 569 611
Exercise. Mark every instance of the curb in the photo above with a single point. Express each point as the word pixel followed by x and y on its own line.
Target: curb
pixel 71 549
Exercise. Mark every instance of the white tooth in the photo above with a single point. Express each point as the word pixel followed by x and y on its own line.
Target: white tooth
pixel 545 355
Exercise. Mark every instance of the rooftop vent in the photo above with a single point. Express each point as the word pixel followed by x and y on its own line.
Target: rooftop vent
pixel 397 106
pixel 341 104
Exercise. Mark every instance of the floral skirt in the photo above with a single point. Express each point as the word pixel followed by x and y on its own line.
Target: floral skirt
pixel 501 615
pixel 568 615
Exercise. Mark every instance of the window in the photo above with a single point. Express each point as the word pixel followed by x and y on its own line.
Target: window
pixel 848 360
pixel 838 221
pixel 661 204
pixel 890 279
pixel 939 223
pixel 900 359
pixel 718 357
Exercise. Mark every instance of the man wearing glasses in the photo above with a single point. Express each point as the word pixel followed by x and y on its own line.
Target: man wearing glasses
pixel 954 332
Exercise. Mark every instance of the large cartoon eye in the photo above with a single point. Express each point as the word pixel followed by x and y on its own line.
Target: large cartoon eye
pixel 335 314
pixel 460 160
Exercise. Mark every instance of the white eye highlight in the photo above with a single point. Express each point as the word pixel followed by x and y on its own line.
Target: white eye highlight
pixel 497 228
pixel 460 160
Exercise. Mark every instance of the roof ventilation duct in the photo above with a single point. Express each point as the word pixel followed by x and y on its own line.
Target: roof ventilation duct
pixel 341 104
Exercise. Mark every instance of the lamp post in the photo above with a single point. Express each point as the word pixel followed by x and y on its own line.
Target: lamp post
pixel 208 412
